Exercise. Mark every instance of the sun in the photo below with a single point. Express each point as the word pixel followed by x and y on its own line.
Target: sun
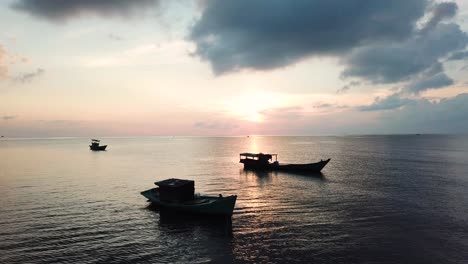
pixel 254 117
pixel 251 107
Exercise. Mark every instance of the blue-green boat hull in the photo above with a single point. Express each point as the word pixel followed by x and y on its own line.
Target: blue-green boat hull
pixel 211 205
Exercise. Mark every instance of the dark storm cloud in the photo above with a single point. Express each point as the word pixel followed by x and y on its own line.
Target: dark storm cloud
pixel 432 78
pixel 63 9
pixel 377 41
pixel 441 11
pixel 28 77
pixel 461 55
pixel 394 62
pixel 267 34
pixel 418 58
pixel 439 80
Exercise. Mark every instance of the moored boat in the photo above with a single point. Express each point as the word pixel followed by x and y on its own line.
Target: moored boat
pixel 95 145
pixel 261 161
pixel 179 195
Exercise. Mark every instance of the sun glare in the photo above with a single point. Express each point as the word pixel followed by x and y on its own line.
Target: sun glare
pixel 254 117
pixel 252 106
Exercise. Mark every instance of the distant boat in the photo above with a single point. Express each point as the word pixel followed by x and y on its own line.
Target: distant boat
pixel 95 145
pixel 260 161
pixel 179 195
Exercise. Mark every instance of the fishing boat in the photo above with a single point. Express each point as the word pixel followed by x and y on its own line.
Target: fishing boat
pixel 261 161
pixel 179 195
pixel 95 145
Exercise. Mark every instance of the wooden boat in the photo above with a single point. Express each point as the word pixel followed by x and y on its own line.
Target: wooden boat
pixel 95 145
pixel 260 161
pixel 178 195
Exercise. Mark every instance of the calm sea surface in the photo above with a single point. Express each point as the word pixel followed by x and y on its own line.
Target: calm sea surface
pixel 381 199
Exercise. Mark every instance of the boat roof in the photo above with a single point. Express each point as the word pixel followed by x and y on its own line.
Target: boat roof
pixel 174 183
pixel 255 155
pixel 97 140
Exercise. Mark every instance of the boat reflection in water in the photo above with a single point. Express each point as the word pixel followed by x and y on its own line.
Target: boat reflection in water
pixel 267 174
pixel 258 173
pixel 176 220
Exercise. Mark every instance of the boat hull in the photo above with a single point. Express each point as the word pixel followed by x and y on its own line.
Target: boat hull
pixel 250 164
pixel 97 148
pixel 209 205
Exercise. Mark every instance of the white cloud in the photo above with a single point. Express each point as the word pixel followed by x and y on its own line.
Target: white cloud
pixel 147 54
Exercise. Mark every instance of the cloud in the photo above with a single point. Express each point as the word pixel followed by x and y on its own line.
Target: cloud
pixel 446 116
pixel 329 106
pixel 28 77
pixel 215 125
pixel 7 62
pixel 441 11
pixel 380 42
pixel 298 114
pixel 436 81
pixel 283 113
pixel 115 37
pixel 8 117
pixel 60 122
pixel 417 59
pixel 399 61
pixel 3 66
pixel 461 55
pixel 348 86
pixel 417 115
pixel 323 105
pixel 268 34
pixel 393 101
pixel 63 10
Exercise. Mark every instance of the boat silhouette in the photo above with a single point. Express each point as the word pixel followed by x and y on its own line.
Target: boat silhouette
pixel 179 195
pixel 261 161
pixel 95 145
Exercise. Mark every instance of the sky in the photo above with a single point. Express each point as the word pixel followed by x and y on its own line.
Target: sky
pixel 231 68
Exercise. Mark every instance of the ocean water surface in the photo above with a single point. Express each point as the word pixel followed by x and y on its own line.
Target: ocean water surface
pixel 381 199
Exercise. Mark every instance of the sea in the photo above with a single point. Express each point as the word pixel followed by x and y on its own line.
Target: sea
pixel 381 199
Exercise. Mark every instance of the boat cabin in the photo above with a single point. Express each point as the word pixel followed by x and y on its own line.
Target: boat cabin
pixel 176 190
pixel 259 158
